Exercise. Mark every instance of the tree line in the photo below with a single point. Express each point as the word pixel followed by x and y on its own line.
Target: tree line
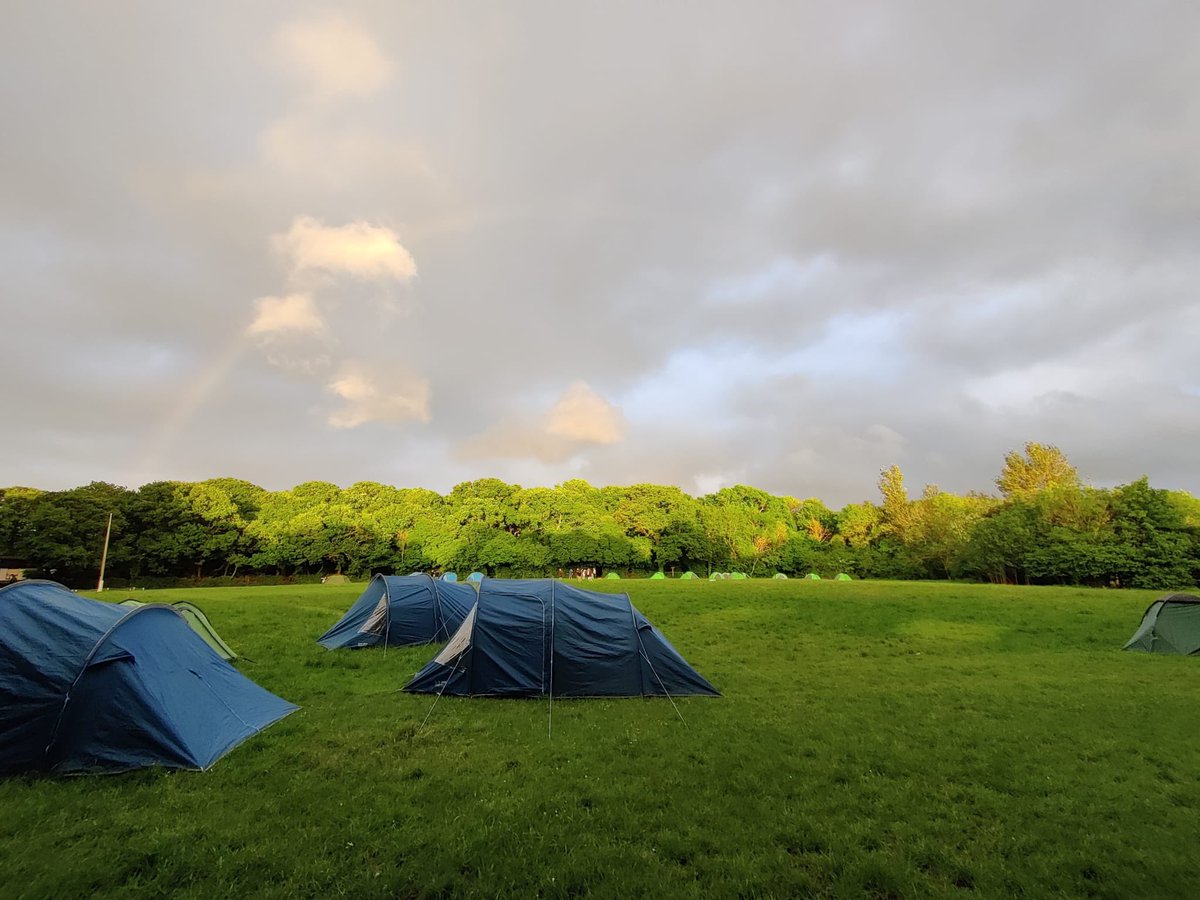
pixel 1041 526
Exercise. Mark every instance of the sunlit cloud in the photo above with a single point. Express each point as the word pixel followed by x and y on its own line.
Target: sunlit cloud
pixel 294 313
pixel 580 417
pixel 332 56
pixel 359 249
pixel 583 415
pixel 367 398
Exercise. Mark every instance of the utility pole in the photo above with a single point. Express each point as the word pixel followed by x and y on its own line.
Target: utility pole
pixel 104 554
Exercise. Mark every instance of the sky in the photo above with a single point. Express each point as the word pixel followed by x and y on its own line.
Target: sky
pixel 696 243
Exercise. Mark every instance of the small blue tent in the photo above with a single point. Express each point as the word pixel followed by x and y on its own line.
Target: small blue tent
pixel 541 636
pixel 399 610
pixel 475 577
pixel 87 686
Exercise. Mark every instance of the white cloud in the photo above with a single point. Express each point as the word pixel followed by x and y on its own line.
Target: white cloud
pixel 333 56
pixel 394 399
pixel 1021 387
pixel 583 415
pixel 366 251
pixel 294 313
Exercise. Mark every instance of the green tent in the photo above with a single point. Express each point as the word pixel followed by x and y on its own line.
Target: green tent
pixel 779 576
pixel 842 576
pixel 1171 624
pixel 199 623
pixel 738 576
pixel 688 576
pixel 612 575
pixel 335 579
pixel 657 576
pixel 813 576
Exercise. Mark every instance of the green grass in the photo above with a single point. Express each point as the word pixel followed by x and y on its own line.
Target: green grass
pixel 874 740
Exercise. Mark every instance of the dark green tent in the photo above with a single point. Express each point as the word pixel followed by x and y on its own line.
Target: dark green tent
pixel 1171 624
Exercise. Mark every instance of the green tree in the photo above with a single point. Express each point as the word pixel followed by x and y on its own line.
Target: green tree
pixel 16 506
pixel 859 524
pixel 897 514
pixel 1149 524
pixel 1043 466
pixel 64 532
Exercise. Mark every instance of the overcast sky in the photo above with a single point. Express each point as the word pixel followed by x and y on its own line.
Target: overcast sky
pixel 781 244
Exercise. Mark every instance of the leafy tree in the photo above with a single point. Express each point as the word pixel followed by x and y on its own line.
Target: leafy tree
pixel 1042 467
pixel 1161 550
pixel 999 544
pixel 859 524
pixel 898 516
pixel 64 532
pixel 1047 528
pixel 16 506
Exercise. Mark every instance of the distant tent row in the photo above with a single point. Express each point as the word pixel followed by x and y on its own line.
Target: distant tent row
pixel 87 686
pixel 520 638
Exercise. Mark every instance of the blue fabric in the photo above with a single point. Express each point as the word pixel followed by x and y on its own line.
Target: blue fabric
pixel 92 686
pixel 418 610
pixel 533 637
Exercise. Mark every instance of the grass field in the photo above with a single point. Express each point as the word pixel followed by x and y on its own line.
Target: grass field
pixel 874 739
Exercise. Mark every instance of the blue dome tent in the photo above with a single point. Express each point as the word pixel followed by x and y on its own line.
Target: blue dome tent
pixel 87 686
pixel 539 637
pixel 399 610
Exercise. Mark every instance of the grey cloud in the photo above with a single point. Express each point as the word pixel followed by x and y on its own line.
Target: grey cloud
pixel 996 193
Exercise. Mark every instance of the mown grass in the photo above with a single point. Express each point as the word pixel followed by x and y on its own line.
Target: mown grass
pixel 875 740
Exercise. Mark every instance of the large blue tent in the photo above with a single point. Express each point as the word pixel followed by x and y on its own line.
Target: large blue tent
pixel 401 610
pixel 543 637
pixel 91 686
